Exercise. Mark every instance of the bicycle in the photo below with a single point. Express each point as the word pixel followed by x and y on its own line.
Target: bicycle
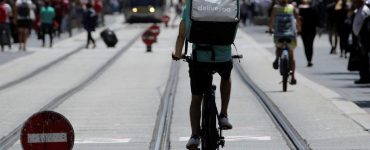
pixel 211 135
pixel 284 62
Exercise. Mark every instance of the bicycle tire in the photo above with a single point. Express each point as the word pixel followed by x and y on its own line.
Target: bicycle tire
pixel 285 83
pixel 210 133
pixel 284 66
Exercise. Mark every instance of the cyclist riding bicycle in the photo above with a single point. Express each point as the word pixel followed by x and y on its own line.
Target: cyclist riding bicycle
pixel 205 59
pixel 285 23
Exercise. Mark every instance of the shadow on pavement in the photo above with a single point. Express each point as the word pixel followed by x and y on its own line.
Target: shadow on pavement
pixel 338 73
pixel 345 79
pixel 357 86
pixel 363 104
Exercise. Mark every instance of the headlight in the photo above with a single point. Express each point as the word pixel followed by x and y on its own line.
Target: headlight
pixel 151 9
pixel 135 10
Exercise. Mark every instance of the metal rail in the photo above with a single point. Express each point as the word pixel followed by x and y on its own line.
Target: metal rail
pixel 9 140
pixel 294 140
pixel 161 136
pixel 44 67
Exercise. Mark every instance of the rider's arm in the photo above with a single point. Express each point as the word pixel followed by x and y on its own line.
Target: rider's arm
pixel 180 41
pixel 272 19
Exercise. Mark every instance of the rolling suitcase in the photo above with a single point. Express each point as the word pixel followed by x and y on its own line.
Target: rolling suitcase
pixel 109 37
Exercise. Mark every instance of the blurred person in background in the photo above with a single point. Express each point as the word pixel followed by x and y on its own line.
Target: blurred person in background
pixel 178 11
pixel 331 25
pixel 343 28
pixel 67 17
pixel 310 19
pixel 361 29
pixel 244 12
pixel 5 14
pixel 90 21
pixel 47 14
pixel 23 19
pixel 58 6
pixel 98 7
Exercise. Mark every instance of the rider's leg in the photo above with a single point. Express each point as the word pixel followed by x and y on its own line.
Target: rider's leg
pixel 225 89
pixel 198 79
pixel 195 113
pixel 292 65
pixel 278 52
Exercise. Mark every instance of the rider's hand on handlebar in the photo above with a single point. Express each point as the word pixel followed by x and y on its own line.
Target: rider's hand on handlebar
pixel 176 57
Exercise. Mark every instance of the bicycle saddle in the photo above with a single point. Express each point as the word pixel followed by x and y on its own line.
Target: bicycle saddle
pixel 288 40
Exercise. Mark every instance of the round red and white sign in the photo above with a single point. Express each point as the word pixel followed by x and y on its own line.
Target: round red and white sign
pixel 47 130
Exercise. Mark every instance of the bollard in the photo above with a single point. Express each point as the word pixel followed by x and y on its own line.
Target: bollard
pixel 166 19
pixel 148 38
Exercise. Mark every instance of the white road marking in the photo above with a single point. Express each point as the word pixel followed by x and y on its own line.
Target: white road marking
pixel 102 141
pixel 237 138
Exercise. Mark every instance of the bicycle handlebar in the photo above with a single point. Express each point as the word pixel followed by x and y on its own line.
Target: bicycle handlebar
pixel 188 58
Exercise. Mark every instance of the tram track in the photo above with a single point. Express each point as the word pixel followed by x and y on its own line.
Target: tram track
pixel 47 66
pixel 7 141
pixel 161 134
pixel 292 137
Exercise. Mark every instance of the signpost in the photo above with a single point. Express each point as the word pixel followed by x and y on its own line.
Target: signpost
pixel 47 130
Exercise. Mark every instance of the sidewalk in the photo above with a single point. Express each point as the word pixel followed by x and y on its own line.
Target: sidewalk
pixel 328 70
pixel 320 115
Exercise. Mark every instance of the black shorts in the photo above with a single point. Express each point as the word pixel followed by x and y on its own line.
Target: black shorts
pixel 201 74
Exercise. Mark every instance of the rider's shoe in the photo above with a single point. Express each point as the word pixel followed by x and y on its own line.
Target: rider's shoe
pixel 224 122
pixel 275 64
pixel 193 142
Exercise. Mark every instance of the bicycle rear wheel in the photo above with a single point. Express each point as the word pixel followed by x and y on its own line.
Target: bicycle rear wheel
pixel 210 133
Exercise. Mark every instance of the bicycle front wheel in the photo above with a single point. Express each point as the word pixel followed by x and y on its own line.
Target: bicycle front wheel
pixel 210 133
pixel 284 70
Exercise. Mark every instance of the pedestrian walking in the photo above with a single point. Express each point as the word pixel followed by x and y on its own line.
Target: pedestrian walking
pixel 47 14
pixel 98 7
pixel 331 26
pixel 58 7
pixel 67 17
pixel 5 14
pixel 361 29
pixel 243 12
pixel 90 22
pixel 343 29
pixel 178 11
pixel 24 11
pixel 310 19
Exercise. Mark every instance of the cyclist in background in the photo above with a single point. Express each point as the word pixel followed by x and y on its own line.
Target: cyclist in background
pixel 285 23
pixel 200 71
